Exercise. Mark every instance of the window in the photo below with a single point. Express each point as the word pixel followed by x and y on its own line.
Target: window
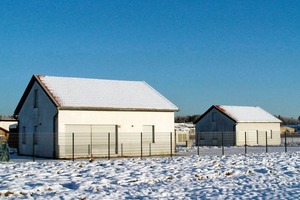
pixel 35 101
pixel 214 117
pixel 24 135
pixel 271 134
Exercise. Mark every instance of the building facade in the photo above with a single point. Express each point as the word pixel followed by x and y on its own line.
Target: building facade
pixel 61 115
pixel 237 125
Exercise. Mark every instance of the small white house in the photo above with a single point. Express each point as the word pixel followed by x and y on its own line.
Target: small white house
pixel 119 117
pixel 185 134
pixel 237 125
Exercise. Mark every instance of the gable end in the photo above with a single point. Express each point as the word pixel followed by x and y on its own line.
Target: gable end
pixel 34 79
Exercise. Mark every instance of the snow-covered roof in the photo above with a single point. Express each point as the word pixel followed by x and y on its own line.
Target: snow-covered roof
pixel 183 126
pixel 247 113
pixel 73 92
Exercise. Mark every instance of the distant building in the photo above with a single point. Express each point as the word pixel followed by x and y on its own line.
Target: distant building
pixel 287 129
pixel 98 112
pixel 234 122
pixel 7 122
pixel 8 125
pixel 185 134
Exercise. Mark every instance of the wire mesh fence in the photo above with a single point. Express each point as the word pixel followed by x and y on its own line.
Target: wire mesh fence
pixel 244 142
pixel 78 145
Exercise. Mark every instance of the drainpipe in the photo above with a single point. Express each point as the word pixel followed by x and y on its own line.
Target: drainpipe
pixel 54 132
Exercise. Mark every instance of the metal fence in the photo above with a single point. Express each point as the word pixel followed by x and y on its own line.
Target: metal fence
pixel 78 145
pixel 246 142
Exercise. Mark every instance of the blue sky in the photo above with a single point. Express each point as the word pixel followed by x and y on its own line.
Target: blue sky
pixel 196 53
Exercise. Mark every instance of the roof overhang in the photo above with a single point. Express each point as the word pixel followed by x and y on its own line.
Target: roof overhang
pixel 115 109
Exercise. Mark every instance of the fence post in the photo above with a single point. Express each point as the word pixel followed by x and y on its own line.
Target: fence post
pixel 141 144
pixel 91 143
pixel 175 135
pixel 73 150
pixel 285 144
pixel 266 141
pixel 171 143
pixel 150 149
pixel 222 143
pixel 108 143
pixel 245 142
pixel 122 150
pixel 198 143
pixel 33 148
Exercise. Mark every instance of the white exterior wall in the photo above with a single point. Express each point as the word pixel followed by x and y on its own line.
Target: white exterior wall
pixel 256 133
pixel 41 118
pixel 130 125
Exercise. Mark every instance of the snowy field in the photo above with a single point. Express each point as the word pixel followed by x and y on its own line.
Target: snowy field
pixel 252 176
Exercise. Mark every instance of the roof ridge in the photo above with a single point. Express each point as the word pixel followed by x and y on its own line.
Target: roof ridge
pixel 89 78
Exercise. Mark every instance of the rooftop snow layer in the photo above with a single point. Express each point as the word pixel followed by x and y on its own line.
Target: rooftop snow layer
pixel 100 93
pixel 248 114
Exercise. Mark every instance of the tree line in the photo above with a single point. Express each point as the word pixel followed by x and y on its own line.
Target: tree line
pixel 288 120
pixel 186 119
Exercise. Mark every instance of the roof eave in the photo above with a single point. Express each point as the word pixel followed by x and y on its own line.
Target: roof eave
pixel 218 108
pixel 116 109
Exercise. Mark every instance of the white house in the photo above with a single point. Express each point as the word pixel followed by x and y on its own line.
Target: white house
pixel 237 125
pixel 131 116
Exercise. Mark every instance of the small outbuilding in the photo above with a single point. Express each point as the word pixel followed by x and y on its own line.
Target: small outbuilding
pixel 237 125
pixel 8 126
pixel 185 134
pixel 122 118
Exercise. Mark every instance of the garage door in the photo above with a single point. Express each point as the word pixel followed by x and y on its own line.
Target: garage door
pixel 93 139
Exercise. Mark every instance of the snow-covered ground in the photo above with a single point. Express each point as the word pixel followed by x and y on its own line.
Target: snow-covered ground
pixel 252 176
